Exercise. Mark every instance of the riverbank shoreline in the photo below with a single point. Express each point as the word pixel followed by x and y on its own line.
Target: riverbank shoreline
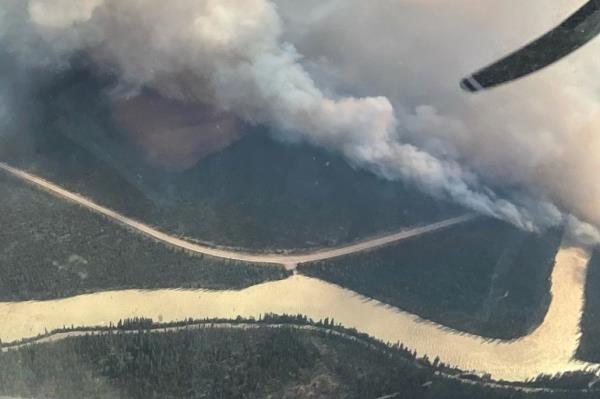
pixel 297 322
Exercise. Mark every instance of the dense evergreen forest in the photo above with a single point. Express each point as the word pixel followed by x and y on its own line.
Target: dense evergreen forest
pixel 234 198
pixel 51 248
pixel 260 362
pixel 484 277
pixel 589 347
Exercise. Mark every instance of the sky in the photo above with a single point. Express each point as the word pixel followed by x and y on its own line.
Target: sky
pixel 374 81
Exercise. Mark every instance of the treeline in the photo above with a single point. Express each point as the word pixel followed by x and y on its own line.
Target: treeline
pixel 570 381
pixel 231 363
pixel 484 277
pixel 50 248
pixel 146 324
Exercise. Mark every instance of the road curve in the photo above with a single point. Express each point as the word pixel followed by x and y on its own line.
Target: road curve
pixel 288 261
pixel 549 349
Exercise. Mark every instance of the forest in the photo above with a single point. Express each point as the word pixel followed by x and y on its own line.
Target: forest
pixel 485 277
pixel 589 345
pixel 50 248
pixel 235 198
pixel 260 362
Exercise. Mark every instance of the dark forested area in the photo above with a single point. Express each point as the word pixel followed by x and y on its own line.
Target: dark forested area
pixel 484 277
pixel 205 363
pixel 262 362
pixel 258 194
pixel 51 248
pixel 589 346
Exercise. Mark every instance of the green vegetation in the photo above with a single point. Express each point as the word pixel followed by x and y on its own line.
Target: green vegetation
pixel 258 194
pixel 51 248
pixel 484 277
pixel 589 346
pixel 253 361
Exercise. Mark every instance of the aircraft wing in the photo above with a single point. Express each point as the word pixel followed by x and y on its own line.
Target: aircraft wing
pixel 577 30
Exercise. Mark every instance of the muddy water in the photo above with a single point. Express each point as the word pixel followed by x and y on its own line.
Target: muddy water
pixel 549 349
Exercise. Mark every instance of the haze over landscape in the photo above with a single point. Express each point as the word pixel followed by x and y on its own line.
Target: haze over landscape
pixel 301 185
pixel 324 77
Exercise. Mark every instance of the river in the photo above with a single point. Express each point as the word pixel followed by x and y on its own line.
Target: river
pixel 549 349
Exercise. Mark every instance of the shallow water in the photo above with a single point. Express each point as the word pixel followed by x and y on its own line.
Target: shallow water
pixel 549 349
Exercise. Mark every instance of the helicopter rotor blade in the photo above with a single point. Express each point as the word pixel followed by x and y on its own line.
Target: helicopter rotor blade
pixel 570 35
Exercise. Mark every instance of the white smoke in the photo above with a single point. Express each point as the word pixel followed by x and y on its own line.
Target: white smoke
pixel 538 137
pixel 376 81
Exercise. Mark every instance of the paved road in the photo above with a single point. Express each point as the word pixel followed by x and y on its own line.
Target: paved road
pixel 288 261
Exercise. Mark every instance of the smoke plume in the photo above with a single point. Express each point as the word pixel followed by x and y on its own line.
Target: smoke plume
pixel 375 81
